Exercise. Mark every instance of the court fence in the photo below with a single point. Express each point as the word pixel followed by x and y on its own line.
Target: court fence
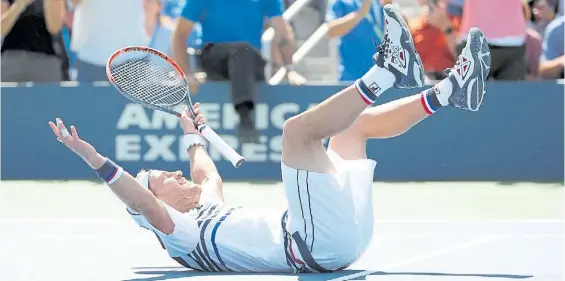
pixel 516 136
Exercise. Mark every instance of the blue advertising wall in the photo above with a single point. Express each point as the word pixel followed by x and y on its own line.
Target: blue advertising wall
pixel 516 136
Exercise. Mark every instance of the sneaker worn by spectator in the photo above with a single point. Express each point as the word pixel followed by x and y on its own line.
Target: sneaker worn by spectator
pixel 101 27
pixel 231 39
pixel 33 49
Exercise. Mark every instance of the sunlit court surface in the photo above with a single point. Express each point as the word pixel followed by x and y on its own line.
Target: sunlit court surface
pixel 77 230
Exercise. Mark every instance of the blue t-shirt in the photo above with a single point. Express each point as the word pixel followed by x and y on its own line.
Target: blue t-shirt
pixel 357 47
pixel 225 21
pixel 162 36
pixel 552 46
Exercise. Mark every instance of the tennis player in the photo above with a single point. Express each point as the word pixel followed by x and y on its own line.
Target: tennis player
pixel 329 221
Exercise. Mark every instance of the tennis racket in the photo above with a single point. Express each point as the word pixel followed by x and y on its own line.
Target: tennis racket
pixel 153 80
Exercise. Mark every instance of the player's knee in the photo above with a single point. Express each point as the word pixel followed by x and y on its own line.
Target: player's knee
pixel 295 130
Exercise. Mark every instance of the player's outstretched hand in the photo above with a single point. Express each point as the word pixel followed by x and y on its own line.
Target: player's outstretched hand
pixel 189 124
pixel 83 149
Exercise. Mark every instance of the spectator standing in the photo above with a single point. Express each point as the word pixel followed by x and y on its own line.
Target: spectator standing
pixel 552 60
pixel 33 49
pixel 100 27
pixel 231 38
pixel 504 26
pixel 435 38
pixel 533 46
pixel 358 25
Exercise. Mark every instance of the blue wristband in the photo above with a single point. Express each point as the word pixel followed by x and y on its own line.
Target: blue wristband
pixel 109 172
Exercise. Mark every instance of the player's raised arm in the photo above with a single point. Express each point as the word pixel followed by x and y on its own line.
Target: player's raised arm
pixel 203 171
pixel 120 182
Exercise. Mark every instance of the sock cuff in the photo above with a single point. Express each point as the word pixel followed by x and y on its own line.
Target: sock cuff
pixel 430 100
pixel 366 93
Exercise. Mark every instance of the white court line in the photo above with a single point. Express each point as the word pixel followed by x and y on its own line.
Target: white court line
pixel 466 245
pixel 113 221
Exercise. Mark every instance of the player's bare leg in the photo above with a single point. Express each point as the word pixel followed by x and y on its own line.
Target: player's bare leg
pixel 396 64
pixel 464 88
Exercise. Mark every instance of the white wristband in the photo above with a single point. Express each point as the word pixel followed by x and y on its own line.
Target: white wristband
pixel 191 140
pixel 117 176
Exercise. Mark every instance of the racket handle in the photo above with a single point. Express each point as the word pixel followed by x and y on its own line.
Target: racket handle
pixel 225 149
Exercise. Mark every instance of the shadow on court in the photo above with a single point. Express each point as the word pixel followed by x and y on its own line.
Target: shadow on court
pixel 170 273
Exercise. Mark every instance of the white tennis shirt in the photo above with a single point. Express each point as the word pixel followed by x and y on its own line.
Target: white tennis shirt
pixel 216 237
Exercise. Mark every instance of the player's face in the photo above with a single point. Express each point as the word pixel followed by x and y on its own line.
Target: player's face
pixel 174 189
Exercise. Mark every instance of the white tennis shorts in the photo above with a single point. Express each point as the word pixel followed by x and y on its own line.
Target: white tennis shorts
pixel 331 213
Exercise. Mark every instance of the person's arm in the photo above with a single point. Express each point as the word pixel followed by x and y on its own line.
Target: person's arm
pixel 11 13
pixel 136 197
pixel 283 39
pixel 552 59
pixel 191 13
pixel 438 18
pixel 552 69
pixel 182 30
pixel 125 186
pixel 340 23
pixel 203 171
pixel 54 13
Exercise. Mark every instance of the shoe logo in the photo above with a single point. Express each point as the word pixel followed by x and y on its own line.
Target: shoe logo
pixel 462 67
pixel 398 56
pixel 374 88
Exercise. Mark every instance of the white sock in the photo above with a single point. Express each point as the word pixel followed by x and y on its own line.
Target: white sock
pixel 375 82
pixel 445 90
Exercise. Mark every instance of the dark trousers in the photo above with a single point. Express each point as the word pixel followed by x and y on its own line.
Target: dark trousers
pixel 238 63
pixel 507 63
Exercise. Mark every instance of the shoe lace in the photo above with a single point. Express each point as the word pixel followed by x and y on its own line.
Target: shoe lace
pixel 383 48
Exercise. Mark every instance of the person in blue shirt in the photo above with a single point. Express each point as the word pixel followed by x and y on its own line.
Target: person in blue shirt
pixel 170 11
pixel 231 48
pixel 552 59
pixel 358 25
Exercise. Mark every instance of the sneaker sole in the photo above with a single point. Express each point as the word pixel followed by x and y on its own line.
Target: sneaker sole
pixel 476 45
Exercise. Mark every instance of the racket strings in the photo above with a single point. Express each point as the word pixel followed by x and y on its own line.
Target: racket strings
pixel 149 79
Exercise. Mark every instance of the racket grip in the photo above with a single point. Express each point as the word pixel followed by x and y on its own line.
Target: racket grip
pixel 225 149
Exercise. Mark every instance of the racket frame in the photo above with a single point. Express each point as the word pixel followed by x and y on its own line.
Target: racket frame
pixel 201 128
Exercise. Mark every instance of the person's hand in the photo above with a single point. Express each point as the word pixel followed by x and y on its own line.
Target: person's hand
pixel 188 124
pixel 438 18
pixel 295 78
pixel 193 84
pixel 72 141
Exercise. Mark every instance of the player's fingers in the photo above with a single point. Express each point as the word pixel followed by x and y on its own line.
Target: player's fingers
pixel 184 111
pixel 54 128
pixel 200 120
pixel 197 105
pixel 74 132
pixel 197 111
pixel 64 133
